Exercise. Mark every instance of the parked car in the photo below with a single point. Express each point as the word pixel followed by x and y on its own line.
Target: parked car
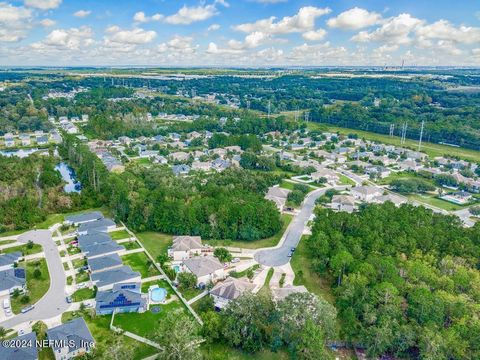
pixel 8 312
pixel 290 253
pixel 69 299
pixel 27 309
pixel 21 332
pixel 292 249
pixel 6 303
pixel 235 260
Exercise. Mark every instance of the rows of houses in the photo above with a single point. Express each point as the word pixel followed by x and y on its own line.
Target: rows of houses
pixel 37 138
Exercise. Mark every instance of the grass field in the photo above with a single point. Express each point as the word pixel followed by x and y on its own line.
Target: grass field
pixel 155 243
pixel 104 337
pixel 141 263
pixel 83 294
pixel 24 249
pixel 255 244
pixel 130 245
pixel 345 180
pixel 119 235
pixel 429 148
pixel 437 202
pixel 304 275
pixel 36 287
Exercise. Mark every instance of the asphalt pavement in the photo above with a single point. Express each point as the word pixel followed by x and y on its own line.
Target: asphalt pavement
pixel 53 303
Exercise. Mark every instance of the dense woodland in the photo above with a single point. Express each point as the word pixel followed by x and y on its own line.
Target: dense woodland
pixel 406 280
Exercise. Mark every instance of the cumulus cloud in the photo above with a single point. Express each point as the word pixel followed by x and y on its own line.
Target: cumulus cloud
pixel 179 45
pixel 444 30
pixel 135 36
pixel 43 4
pixel 213 27
pixel 303 21
pixel 140 17
pixel 314 35
pixel 354 19
pixel 253 40
pixel 66 39
pixel 190 14
pixel 214 49
pixel 14 22
pixel 47 22
pixel 82 13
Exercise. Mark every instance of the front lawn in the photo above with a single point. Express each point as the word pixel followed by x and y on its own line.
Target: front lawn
pixel 344 180
pixel 83 294
pixel 145 324
pixel 141 263
pixel 78 263
pixel 256 244
pixel 24 249
pixel 82 277
pixel 36 286
pixel 156 243
pixel 104 337
pixel 119 235
pixel 225 352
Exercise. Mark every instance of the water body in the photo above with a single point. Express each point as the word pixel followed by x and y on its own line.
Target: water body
pixel 21 153
pixel 68 175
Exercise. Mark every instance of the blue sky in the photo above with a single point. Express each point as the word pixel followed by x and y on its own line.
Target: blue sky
pixel 239 33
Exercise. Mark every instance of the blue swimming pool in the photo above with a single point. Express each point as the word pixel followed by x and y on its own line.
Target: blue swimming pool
pixel 176 268
pixel 158 294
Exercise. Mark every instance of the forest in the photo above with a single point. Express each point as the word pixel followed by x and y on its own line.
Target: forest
pixel 406 280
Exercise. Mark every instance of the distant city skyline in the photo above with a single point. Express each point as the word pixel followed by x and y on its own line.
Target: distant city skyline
pixel 252 33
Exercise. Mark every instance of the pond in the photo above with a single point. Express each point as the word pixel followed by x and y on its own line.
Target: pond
pixel 68 175
pixel 21 153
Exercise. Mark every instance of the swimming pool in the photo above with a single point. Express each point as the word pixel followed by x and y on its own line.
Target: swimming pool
pixel 158 294
pixel 176 268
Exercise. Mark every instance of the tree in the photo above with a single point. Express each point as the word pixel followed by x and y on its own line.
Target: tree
pixel 187 280
pixel 212 326
pixel 223 255
pixel 340 263
pixel 29 244
pixel 118 350
pixel 310 345
pixel 37 274
pixel 3 332
pixel 178 335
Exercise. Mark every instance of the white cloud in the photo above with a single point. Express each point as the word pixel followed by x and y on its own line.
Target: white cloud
pixel 354 19
pixel 43 4
pixel 395 30
pixel 253 40
pixel 47 22
pixel 135 36
pixel 66 39
pixel 314 35
pixel 444 30
pixel 213 27
pixel 14 22
pixel 190 14
pixel 140 17
pixel 270 1
pixel 303 21
pixel 179 45
pixel 82 13
pixel 214 49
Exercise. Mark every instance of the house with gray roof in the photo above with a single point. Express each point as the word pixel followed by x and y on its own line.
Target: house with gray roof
pixel 228 290
pixel 105 248
pixel 71 339
pixel 12 279
pixel 126 297
pixel 93 239
pixel 7 261
pixel 185 247
pixel 28 352
pixel 105 262
pixel 83 218
pixel 207 269
pixel 278 195
pixel 105 280
pixel 100 225
pixel 180 169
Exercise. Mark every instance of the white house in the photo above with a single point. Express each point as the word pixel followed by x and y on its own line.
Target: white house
pixel 343 203
pixel 184 247
pixel 366 193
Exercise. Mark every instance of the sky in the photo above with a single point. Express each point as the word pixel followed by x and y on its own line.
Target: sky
pixel 240 33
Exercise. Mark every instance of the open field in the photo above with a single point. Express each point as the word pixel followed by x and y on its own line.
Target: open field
pixel 437 202
pixel 119 234
pixel 155 243
pixel 430 148
pixel 141 263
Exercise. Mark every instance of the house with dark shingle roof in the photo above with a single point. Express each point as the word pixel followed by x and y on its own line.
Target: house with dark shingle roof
pixel 126 297
pixel 185 247
pixel 71 339
pixel 105 248
pixel 102 225
pixel 105 280
pixel 228 290
pixel 83 218
pixel 12 279
pixel 27 352
pixel 105 262
pixel 93 239
pixel 7 261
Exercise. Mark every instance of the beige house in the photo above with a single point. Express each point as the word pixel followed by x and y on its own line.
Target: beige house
pixel 343 203
pixel 184 247
pixel 366 193
pixel 207 269
pixel 278 195
pixel 228 290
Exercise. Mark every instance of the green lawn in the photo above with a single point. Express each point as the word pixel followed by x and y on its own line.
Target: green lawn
pixel 130 245
pixel 344 180
pixel 161 283
pixel 82 277
pixel 104 337
pixel 244 272
pixel 83 294
pixel 286 185
pixel 429 148
pixel 255 244
pixel 155 243
pixel 304 275
pixel 77 263
pixel 266 285
pixel 145 324
pixel 119 235
pixel 36 288
pixel 6 242
pixel 24 249
pixel 437 202
pixel 190 293
pixel 140 262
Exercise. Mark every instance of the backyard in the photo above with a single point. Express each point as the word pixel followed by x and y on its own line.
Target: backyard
pixel 83 294
pixel 155 243
pixel 119 234
pixel 141 263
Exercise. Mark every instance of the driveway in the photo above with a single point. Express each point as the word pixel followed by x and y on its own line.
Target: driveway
pixel 53 302
pixel 278 256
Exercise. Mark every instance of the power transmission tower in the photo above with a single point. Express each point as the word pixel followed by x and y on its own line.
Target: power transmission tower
pixel 421 135
pixel 404 133
pixel 392 127
pixel 306 115
pixel 248 104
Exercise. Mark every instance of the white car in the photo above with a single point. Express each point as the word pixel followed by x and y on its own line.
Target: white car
pixel 235 260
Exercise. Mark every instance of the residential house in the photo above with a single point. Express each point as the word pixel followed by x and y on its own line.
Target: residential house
pixel 278 195
pixel 409 165
pixel 122 298
pixel 330 176
pixel 159 159
pixel 343 203
pixel 201 166
pixel 228 290
pixel 9 140
pixel 366 193
pixel 180 169
pixel 105 280
pixel 25 139
pixel 378 171
pixel 220 164
pixel 125 140
pixel 26 349
pixel 71 339
pixel 101 249
pixel 234 149
pixel 180 156
pixel 395 199
pixel 184 247
pixel 11 280
pixel 207 269
pixel 100 225
pixel 76 220
pixel 105 262
pixel 8 261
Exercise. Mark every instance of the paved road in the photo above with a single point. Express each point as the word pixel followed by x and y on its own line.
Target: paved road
pixel 278 256
pixel 53 302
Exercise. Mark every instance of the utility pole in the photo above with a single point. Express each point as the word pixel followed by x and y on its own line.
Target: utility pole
pixel 392 128
pixel 421 135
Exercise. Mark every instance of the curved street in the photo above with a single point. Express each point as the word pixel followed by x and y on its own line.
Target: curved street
pixel 278 255
pixel 53 303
